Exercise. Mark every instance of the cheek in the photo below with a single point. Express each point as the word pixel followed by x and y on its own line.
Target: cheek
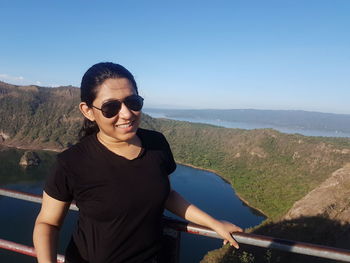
pixel 138 117
pixel 104 122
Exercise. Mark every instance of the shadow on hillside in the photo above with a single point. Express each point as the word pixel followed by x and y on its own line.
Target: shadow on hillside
pixel 316 229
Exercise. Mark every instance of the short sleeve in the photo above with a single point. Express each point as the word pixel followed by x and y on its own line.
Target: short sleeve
pixel 170 162
pixel 59 183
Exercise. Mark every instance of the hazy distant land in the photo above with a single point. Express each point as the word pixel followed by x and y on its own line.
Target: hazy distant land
pixel 328 124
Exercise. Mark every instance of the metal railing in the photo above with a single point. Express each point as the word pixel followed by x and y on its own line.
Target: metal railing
pixel 23 249
pixel 243 238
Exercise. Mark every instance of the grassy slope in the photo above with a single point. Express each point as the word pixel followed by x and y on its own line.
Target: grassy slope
pixel 268 169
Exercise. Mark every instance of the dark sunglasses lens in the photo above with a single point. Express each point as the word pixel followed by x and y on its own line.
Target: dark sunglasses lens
pixel 110 109
pixel 134 102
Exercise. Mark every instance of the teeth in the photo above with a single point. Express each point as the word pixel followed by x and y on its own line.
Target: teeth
pixel 126 125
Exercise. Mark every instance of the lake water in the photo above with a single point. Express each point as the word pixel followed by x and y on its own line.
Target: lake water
pixel 205 189
pixel 251 126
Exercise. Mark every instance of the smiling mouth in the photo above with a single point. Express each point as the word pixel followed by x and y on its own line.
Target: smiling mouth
pixel 125 125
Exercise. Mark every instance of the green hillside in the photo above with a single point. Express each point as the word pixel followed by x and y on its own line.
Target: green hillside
pixel 39 116
pixel 268 169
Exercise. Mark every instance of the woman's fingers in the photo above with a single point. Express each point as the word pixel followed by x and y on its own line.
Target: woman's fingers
pixel 238 229
pixel 226 235
pixel 232 241
pixel 226 230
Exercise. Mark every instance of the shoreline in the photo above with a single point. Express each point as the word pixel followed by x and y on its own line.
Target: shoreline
pixel 56 150
pixel 236 193
pixel 31 148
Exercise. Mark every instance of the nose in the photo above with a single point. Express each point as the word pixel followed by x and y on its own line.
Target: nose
pixel 125 112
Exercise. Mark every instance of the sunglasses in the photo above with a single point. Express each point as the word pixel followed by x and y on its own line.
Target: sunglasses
pixel 111 108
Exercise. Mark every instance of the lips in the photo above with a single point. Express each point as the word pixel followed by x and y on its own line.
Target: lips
pixel 125 125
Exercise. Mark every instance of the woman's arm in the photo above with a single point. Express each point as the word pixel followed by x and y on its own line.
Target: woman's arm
pixel 179 206
pixel 47 226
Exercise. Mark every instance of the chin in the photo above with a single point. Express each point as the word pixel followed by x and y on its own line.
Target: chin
pixel 127 136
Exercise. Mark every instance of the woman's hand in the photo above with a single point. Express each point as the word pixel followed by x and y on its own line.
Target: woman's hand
pixel 180 207
pixel 225 229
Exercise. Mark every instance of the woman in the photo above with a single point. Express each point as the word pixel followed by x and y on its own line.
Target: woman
pixel 118 176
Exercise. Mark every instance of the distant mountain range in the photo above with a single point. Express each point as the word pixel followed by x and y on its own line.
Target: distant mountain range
pixel 292 119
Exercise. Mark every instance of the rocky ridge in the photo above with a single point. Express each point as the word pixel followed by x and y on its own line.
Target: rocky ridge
pixel 331 199
pixel 29 158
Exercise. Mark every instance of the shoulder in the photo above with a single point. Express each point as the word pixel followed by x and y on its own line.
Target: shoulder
pixel 78 150
pixel 150 135
pixel 155 142
pixel 153 139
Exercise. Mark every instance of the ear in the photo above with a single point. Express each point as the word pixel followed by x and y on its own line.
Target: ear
pixel 86 111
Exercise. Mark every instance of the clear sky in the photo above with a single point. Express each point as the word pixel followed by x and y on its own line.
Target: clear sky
pixel 290 54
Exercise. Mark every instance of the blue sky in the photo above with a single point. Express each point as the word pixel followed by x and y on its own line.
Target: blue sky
pixel 188 54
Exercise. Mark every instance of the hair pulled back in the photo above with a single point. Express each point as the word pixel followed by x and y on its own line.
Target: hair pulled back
pixel 92 79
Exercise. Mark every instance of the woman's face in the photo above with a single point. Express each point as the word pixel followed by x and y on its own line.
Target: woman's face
pixel 123 126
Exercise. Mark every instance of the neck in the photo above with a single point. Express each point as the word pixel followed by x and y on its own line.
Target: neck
pixel 112 143
pixel 130 149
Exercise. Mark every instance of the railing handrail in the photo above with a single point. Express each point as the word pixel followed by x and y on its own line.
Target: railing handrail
pixel 29 197
pixel 23 249
pixel 265 241
pixel 244 238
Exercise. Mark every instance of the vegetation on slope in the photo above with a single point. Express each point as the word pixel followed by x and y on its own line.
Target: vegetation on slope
pixel 39 116
pixel 311 229
pixel 268 169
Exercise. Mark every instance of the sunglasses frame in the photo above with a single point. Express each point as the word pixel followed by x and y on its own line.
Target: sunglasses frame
pixel 105 113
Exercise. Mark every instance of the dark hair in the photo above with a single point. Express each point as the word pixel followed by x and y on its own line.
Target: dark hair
pixel 92 79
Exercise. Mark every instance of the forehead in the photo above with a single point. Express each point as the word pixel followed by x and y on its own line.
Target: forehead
pixel 114 89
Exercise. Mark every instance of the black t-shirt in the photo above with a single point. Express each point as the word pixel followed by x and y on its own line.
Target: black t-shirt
pixel 120 201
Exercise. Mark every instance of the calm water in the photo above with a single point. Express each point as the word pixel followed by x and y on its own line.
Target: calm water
pixel 251 126
pixel 204 189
